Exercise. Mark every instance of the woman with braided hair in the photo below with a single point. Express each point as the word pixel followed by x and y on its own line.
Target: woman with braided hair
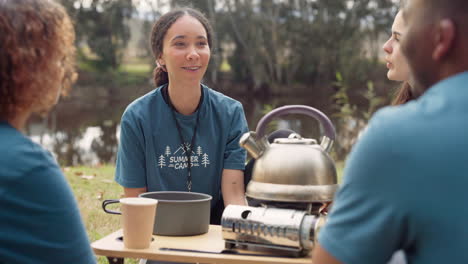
pixel 183 136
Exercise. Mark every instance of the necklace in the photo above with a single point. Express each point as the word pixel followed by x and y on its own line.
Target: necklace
pixel 187 149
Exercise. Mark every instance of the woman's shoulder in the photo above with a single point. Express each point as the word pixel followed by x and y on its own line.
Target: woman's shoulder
pixel 140 105
pixel 16 143
pixel 24 155
pixel 221 99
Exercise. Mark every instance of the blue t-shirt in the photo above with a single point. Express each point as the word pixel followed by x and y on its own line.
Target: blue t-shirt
pixel 39 218
pixel 405 184
pixel 151 153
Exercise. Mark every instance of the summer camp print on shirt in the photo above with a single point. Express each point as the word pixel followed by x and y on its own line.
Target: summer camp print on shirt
pixel 176 158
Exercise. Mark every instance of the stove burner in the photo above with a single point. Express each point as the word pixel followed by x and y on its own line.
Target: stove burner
pixel 293 232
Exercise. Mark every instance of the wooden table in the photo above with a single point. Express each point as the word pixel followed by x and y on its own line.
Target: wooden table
pixel 113 248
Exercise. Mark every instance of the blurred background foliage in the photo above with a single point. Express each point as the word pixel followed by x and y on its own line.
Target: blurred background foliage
pixel 322 53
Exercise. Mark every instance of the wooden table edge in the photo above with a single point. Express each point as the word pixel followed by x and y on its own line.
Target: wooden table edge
pixel 173 256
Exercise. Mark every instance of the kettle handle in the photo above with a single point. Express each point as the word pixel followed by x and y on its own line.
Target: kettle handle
pixel 328 128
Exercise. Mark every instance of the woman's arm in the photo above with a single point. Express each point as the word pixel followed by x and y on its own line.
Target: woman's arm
pixel 232 187
pixel 321 256
pixel 134 192
pixel 130 170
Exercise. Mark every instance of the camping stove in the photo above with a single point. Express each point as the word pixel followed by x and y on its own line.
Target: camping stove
pixel 294 180
pixel 285 231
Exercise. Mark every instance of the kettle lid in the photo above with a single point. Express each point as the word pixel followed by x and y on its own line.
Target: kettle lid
pixel 297 141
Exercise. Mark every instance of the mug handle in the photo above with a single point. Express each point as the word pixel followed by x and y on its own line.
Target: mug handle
pixel 106 203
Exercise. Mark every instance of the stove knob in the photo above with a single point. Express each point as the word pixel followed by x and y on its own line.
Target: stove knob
pixel 283 231
pixel 276 231
pixel 263 229
pixel 255 229
pixel 271 231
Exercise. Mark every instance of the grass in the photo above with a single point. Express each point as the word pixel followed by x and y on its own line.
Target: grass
pixel 92 185
pixel 339 170
pixel 136 68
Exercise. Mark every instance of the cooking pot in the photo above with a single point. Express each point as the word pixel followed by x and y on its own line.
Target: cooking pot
pixel 180 213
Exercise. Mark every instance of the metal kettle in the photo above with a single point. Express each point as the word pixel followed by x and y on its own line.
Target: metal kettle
pixel 293 169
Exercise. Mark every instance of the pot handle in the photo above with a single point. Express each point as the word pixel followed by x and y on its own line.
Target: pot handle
pixel 106 203
pixel 328 128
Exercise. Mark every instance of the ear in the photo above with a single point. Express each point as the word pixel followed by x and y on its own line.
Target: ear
pixel 445 37
pixel 160 62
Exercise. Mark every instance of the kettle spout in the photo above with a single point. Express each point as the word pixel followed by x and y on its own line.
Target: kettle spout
pixel 255 147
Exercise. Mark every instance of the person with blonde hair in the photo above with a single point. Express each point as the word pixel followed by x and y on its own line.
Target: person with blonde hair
pixel 39 218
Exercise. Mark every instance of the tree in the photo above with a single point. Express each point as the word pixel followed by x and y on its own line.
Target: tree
pixel 168 151
pixel 162 161
pixel 278 43
pixel 205 160
pixel 102 26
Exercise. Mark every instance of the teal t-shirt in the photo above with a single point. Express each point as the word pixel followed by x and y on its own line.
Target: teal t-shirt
pixel 405 184
pixel 151 153
pixel 39 218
